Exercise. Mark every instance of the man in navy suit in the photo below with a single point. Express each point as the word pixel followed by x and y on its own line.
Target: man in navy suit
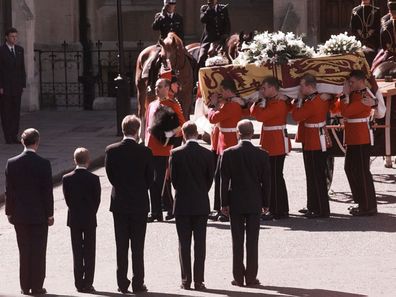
pixel 192 171
pixel 245 189
pixel 81 189
pixel 30 208
pixel 12 82
pixel 130 170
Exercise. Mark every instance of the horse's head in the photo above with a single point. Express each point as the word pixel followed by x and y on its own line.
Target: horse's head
pixel 171 48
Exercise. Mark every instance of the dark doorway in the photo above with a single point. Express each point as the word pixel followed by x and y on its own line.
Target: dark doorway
pixel 335 15
pixel 5 16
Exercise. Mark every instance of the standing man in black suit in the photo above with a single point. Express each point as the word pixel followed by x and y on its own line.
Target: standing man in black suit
pixel 192 171
pixel 129 167
pixel 245 189
pixel 81 189
pixel 30 208
pixel 12 82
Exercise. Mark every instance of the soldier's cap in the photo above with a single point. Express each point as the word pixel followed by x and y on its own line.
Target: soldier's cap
pixel 166 2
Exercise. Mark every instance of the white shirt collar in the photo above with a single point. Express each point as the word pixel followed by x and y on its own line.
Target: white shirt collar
pixel 29 150
pixel 81 167
pixel 10 47
pixel 192 140
pixel 129 137
pixel 170 14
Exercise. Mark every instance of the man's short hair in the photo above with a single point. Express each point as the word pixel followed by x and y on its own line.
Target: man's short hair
pixel 309 80
pixel 30 136
pixel 10 30
pixel 245 128
pixel 81 155
pixel 130 125
pixel 166 82
pixel 189 129
pixel 229 84
pixel 358 74
pixel 272 81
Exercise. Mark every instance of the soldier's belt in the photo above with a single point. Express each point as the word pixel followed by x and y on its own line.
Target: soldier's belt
pixel 358 120
pixel 228 130
pixel 274 128
pixel 315 125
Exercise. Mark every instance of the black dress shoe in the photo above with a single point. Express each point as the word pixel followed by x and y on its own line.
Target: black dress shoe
pixel 89 290
pixel 267 217
pixel 25 292
pixel 41 291
pixel 124 291
pixel 253 283
pixel 223 218
pixel 236 283
pixel 185 286
pixel 352 207
pixel 199 286
pixel 169 217
pixel 140 289
pixel 313 215
pixel 151 218
pixel 303 210
pixel 356 212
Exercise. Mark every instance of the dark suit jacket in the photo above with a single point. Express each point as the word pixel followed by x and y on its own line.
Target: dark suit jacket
pixel 216 23
pixel 165 24
pixel 12 70
pixel 81 189
pixel 245 178
pixel 130 170
pixel 29 197
pixel 192 171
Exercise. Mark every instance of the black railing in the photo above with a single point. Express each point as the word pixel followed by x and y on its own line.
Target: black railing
pixel 60 74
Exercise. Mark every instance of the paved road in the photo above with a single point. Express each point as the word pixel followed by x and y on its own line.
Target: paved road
pixel 341 256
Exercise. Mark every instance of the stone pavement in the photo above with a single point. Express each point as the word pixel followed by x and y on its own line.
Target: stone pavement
pixel 61 132
pixel 342 256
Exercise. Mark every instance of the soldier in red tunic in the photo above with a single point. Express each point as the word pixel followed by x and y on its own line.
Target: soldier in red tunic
pixel 272 111
pixel 161 152
pixel 225 111
pixel 356 106
pixel 313 113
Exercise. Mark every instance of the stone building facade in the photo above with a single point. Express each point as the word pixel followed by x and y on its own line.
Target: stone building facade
pixel 45 24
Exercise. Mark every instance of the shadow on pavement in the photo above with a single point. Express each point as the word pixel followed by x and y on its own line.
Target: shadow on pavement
pixel 299 292
pixel 346 197
pixel 382 222
pixel 385 178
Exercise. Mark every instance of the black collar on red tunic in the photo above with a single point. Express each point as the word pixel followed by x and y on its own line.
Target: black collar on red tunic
pixel 311 96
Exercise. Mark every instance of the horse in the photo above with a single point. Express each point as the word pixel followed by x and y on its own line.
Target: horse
pixel 172 53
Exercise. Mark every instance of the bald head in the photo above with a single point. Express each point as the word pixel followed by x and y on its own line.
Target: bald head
pixel 245 129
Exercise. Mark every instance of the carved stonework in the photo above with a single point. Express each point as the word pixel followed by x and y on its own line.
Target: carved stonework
pixel 26 11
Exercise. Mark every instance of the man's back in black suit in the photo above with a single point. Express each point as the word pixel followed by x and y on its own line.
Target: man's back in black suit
pixel 81 189
pixel 192 169
pixel 30 207
pixel 245 188
pixel 130 170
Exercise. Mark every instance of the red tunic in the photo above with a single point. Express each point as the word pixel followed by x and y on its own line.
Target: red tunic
pixel 273 117
pixel 227 117
pixel 312 112
pixel 356 132
pixel 153 143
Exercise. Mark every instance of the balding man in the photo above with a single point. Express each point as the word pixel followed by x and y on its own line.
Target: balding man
pixel 245 189
pixel 81 189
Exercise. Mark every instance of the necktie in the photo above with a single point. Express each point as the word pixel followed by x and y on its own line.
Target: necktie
pixel 12 51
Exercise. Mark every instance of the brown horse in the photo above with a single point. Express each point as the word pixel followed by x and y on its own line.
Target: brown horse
pixel 172 51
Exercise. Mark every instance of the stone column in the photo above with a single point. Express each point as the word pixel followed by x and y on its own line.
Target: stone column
pixel 23 20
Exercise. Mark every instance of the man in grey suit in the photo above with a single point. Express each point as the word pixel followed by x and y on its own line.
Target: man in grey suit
pixel 30 208
pixel 192 171
pixel 245 188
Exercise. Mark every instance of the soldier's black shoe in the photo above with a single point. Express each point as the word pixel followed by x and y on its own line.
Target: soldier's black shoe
pixel 41 291
pixel 223 218
pixel 303 210
pixel 140 289
pixel 214 215
pixel 199 286
pixel 356 212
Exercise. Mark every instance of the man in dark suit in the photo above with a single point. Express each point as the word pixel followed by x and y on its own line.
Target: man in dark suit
pixel 81 189
pixel 217 27
pixel 168 20
pixel 30 208
pixel 192 171
pixel 245 188
pixel 129 167
pixel 12 82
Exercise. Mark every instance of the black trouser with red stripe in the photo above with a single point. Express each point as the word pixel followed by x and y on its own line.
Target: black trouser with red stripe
pixel 357 169
pixel 279 204
pixel 315 171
